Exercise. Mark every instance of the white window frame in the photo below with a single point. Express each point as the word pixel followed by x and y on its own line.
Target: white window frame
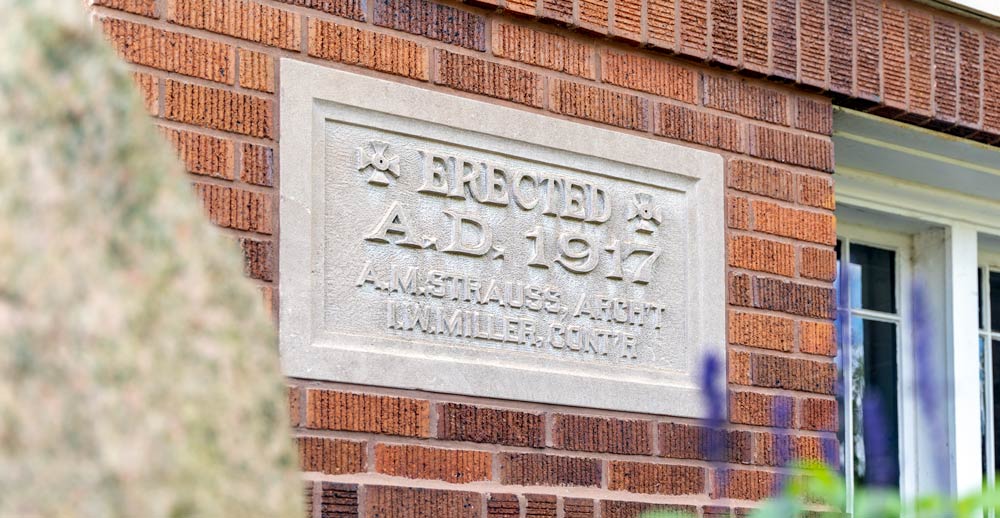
pixel 989 261
pixel 853 233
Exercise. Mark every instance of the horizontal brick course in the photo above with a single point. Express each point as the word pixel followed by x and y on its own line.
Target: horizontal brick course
pixel 763 331
pixel 411 461
pixel 490 425
pixel 598 104
pixel 543 49
pixel 745 484
pixel 472 74
pixel 171 51
pixel 624 509
pixel 688 441
pixel 331 456
pixel 805 225
pixel 663 479
pixel 411 502
pixel 692 125
pixel 650 75
pixel 335 410
pixel 602 434
pixel 377 51
pixel 754 408
pixel 432 20
pixel 538 469
pixel 741 97
pixel 219 109
pixel 792 373
pixel 240 19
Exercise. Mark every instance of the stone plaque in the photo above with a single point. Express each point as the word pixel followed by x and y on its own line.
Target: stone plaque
pixel 435 242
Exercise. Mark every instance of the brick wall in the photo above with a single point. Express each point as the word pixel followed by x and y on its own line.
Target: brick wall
pixel 207 69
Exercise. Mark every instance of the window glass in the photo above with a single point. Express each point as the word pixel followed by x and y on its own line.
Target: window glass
pixel 873 274
pixel 979 286
pixel 996 397
pixel 874 377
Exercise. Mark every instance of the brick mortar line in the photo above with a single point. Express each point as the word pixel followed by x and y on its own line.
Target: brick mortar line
pixel 797 243
pixel 236 183
pixel 236 138
pixel 791 355
pixel 786 204
pixel 767 275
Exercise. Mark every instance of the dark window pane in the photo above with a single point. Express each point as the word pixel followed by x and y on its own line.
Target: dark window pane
pixel 982 298
pixel 876 428
pixel 983 403
pixel 996 398
pixel 873 278
pixel 995 301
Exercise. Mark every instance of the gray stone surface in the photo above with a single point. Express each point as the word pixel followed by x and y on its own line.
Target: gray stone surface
pixel 436 242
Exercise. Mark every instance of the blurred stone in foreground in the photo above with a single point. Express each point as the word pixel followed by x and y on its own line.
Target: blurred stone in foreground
pixel 138 370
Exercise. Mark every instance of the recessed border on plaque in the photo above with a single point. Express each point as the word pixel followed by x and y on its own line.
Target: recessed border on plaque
pixel 313 96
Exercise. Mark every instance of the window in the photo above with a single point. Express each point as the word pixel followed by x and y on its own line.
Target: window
pixel 989 358
pixel 871 367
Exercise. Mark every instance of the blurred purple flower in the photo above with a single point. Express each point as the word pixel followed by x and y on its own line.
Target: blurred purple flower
pixel 881 462
pixel 714 445
pixel 930 389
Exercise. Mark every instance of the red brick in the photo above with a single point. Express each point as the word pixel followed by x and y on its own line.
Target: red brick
pixel 594 15
pixel 694 27
pixel 558 10
pixel 970 76
pixel 945 72
pixel 460 422
pixel 471 74
pixel 503 505
pixel 239 19
pixel 624 509
pixel 794 298
pixel 841 45
pixel 598 104
pixel 578 508
pixel 338 500
pixel 812 42
pixel 740 289
pixel 919 63
pixel 744 484
pixel 368 49
pixel 716 511
pixel 543 49
pixel 737 213
pixel 817 338
pixel 869 47
pixel 628 19
pixel 412 502
pixel 294 405
pixel 762 255
pixel 818 263
pixel 529 7
pixel 218 109
pixel 411 461
pixel 240 209
pixel 202 154
pixel 660 23
pixel 331 456
pixel 991 84
pixel 820 414
pixel 537 469
pixel 814 115
pixel 650 478
pixel 784 38
pixel 353 9
pixel 763 331
pixel 793 373
pixel 738 367
pixel 805 225
pixel 816 191
pixel 149 90
pixel 693 125
pixel 654 76
pixel 335 410
pixel 894 54
pixel 758 409
pixel 540 506
pixel 256 71
pixel 431 20
pixel 258 259
pixel 755 39
pixel 140 7
pixel 725 32
pixel 267 294
pixel 744 98
pixel 602 434
pixel 757 178
pixel 684 441
pixel 791 148
pixel 257 164
pixel 171 51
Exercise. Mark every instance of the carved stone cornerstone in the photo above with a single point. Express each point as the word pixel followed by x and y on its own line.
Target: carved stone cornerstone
pixel 435 242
